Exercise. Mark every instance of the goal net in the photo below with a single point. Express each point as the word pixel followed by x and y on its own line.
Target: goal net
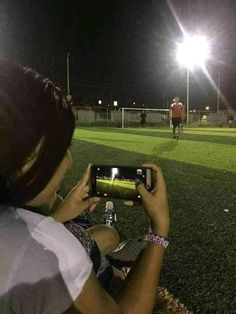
pixel 132 117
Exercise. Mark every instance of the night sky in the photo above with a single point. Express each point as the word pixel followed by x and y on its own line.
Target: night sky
pixel 122 49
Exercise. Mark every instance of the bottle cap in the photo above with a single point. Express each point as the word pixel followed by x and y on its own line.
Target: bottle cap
pixel 109 205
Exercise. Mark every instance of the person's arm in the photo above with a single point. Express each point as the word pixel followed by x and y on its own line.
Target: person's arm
pixel 183 112
pixel 139 291
pixel 170 111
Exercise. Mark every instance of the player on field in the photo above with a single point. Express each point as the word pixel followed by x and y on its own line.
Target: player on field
pixel 176 116
pixel 143 117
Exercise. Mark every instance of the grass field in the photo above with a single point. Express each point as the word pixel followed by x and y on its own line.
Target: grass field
pixel 117 187
pixel 200 171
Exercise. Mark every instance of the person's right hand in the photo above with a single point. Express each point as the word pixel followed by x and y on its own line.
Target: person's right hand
pixel 155 202
pixel 77 201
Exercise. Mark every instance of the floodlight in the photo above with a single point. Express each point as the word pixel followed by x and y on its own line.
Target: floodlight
pixel 114 172
pixel 193 51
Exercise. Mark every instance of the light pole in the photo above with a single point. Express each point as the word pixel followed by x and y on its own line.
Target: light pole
pixel 192 52
pixel 187 102
pixel 218 94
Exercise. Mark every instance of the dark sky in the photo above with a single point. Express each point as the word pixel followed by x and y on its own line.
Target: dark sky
pixel 122 48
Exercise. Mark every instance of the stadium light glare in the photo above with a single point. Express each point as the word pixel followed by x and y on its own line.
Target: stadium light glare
pixel 114 172
pixel 193 51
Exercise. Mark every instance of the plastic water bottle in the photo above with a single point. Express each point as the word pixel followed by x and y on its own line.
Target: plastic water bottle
pixel 110 214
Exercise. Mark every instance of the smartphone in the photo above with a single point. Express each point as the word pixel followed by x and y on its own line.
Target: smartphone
pixel 119 181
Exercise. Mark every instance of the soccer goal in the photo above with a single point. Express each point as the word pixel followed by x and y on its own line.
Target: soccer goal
pixel 131 117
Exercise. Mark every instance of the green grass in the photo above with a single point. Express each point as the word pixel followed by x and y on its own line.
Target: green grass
pixel 213 149
pixel 200 171
pixel 117 188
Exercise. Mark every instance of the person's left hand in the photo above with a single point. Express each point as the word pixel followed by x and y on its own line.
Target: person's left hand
pixel 77 201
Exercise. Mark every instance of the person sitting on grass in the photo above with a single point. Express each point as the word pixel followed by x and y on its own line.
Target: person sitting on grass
pixel 43 266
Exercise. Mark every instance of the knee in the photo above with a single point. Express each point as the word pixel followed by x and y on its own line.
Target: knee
pixel 113 237
pixel 107 238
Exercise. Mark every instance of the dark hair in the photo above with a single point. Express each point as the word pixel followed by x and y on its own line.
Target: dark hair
pixel 36 124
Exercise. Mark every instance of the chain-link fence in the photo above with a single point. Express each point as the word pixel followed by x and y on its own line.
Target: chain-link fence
pixel 104 117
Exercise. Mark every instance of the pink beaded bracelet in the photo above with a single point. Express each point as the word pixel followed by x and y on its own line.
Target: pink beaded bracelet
pixel 156 239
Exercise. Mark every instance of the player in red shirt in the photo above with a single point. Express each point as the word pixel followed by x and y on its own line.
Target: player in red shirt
pixel 176 116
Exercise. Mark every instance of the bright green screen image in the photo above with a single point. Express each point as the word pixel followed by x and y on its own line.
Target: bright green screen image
pixel 117 188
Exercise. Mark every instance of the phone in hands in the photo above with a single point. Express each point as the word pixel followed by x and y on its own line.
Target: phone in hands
pixel 119 181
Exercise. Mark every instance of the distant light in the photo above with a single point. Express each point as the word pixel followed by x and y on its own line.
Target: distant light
pixel 193 51
pixel 133 103
pixel 99 102
pixel 115 103
pixel 114 172
pixel 194 110
pixel 207 107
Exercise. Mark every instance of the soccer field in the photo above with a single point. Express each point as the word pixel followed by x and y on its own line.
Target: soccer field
pixel 117 187
pixel 200 171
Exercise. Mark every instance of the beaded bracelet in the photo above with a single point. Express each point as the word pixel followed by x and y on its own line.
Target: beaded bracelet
pixel 156 239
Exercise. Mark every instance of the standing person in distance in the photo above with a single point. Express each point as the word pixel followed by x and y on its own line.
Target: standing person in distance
pixel 176 116
pixel 143 117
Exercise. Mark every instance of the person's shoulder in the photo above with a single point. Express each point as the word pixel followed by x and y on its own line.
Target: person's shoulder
pixel 51 233
pixel 40 261
pixel 74 263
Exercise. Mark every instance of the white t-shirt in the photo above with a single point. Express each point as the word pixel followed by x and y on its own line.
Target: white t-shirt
pixel 43 267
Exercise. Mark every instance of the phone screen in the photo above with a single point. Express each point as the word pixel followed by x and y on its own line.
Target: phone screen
pixel 118 181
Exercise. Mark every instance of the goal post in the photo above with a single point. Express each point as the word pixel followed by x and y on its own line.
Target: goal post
pixel 131 116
